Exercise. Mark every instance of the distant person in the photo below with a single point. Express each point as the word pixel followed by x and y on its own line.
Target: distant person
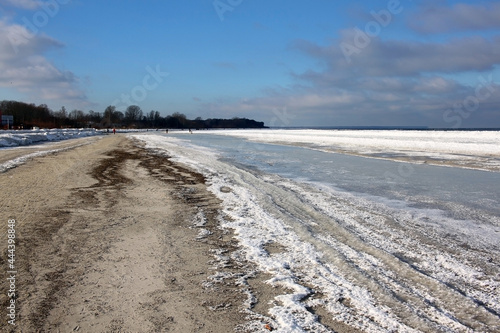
pixel 166 130
pixel 114 131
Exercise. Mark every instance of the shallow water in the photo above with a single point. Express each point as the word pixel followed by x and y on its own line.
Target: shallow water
pixel 419 184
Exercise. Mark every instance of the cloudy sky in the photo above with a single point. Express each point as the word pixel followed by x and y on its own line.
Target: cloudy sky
pixel 287 63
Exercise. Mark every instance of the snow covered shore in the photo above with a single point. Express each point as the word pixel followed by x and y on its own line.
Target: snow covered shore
pixel 29 137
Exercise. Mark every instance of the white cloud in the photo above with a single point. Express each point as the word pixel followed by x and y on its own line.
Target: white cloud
pixel 395 82
pixel 24 67
pixel 436 85
pixel 406 58
pixel 459 17
pixel 24 4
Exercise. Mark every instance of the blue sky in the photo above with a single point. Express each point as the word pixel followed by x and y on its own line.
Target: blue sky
pixel 287 63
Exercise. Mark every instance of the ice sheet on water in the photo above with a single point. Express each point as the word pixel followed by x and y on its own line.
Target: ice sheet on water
pixel 481 147
pixel 454 142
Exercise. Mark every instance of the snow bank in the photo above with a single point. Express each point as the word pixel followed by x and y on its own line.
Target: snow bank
pixel 29 137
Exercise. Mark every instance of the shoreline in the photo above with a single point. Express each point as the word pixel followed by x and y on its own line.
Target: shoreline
pixel 146 235
pixel 121 241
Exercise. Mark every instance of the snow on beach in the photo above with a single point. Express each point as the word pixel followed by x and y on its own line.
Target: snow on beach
pixel 338 259
pixel 30 137
pixel 36 143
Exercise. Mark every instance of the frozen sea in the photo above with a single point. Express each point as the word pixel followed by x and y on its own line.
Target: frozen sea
pixel 360 230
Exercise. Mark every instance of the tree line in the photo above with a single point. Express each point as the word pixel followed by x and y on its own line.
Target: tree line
pixel 30 115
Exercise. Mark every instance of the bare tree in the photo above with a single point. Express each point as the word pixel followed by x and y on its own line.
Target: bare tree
pixel 108 115
pixel 133 113
pixel 76 115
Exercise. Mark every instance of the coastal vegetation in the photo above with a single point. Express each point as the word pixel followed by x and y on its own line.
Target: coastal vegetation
pixel 31 115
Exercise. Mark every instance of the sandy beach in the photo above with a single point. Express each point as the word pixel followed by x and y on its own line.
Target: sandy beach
pixel 107 241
